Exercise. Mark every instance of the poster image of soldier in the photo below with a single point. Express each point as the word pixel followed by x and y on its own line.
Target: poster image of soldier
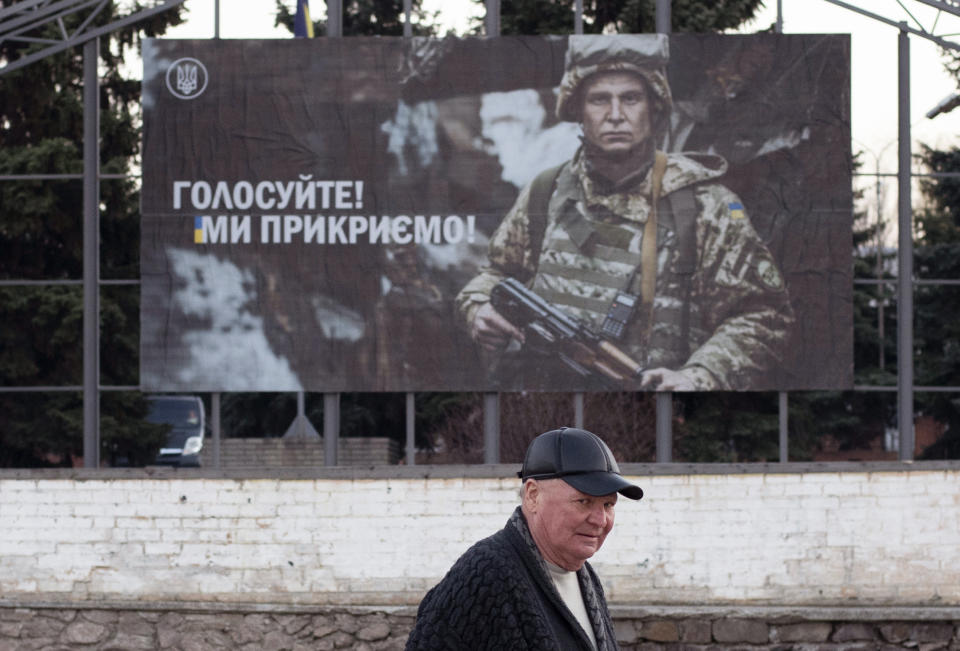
pixel 639 245
pixel 330 218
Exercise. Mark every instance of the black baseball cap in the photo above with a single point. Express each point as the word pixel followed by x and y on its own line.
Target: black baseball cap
pixel 581 459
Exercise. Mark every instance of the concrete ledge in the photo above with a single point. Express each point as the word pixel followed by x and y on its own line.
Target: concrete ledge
pixel 202 607
pixel 789 614
pixel 772 614
pixel 466 471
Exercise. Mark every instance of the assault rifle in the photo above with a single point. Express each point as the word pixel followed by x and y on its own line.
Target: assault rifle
pixel 550 331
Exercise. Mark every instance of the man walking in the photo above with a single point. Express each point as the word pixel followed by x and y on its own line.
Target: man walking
pixel 529 586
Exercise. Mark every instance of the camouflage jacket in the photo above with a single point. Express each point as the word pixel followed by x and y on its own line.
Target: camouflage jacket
pixel 720 314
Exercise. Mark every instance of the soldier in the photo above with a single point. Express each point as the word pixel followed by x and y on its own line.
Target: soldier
pixel 646 243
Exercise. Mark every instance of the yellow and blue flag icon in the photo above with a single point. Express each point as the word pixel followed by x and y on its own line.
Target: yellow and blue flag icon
pixel 736 210
pixel 302 25
pixel 198 230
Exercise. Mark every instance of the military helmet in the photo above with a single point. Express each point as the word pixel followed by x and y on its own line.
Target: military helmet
pixel 643 54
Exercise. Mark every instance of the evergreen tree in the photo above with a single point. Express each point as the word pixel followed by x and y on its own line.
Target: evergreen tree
pixel 528 17
pixel 41 132
pixel 370 18
pixel 937 310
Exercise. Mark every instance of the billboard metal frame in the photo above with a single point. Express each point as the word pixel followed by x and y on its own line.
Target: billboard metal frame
pixel 17 21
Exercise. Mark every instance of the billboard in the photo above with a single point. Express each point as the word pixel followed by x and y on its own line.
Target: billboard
pixel 618 212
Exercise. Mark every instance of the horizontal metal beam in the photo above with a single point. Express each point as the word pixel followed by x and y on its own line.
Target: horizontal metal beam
pixel 53 283
pixel 916 281
pixel 89 35
pixel 942 42
pixel 62 177
pixel 950 7
pixel 916 389
pixel 68 387
pixel 25 12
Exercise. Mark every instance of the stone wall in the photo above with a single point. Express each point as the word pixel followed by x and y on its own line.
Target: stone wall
pixel 364 629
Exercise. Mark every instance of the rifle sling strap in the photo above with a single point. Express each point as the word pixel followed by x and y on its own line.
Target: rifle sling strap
pixel 648 247
pixel 538 205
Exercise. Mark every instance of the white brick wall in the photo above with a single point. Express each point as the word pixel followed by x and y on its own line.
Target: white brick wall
pixel 821 538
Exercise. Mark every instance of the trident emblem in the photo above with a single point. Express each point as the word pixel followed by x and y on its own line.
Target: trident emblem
pixel 190 79
pixel 186 78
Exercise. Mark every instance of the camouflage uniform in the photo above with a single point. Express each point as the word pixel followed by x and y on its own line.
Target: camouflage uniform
pixel 720 312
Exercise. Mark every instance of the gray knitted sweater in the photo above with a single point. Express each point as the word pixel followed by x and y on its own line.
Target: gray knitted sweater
pixel 499 596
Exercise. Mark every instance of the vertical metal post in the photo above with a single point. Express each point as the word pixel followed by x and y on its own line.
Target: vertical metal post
pixel 663 20
pixel 578 397
pixel 783 416
pixel 905 259
pixel 331 401
pixel 299 427
pixel 411 447
pixel 411 430
pixel 664 399
pixel 784 441
pixel 215 427
pixel 664 426
pixel 491 21
pixel 216 18
pixel 491 428
pixel 491 401
pixel 91 255
pixel 331 428
pixel 335 18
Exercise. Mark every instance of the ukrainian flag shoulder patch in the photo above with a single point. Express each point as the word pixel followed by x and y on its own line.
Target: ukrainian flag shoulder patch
pixel 736 210
pixel 198 230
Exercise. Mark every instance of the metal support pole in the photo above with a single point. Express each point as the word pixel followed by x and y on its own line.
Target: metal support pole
pixel 215 427
pixel 411 430
pixel 491 401
pixel 334 18
pixel 91 255
pixel 216 18
pixel 664 427
pixel 331 428
pixel 491 428
pixel 301 427
pixel 664 25
pixel 331 401
pixel 664 400
pixel 578 410
pixel 905 259
pixel 783 416
pixel 578 17
pixel 784 441
pixel 491 21
pixel 407 25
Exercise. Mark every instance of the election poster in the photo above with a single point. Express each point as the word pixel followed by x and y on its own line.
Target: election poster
pixel 559 213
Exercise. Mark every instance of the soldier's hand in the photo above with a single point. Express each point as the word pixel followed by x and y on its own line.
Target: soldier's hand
pixel 491 330
pixel 663 379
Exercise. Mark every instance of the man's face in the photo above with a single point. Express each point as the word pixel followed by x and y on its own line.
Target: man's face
pixel 567 525
pixel 616 113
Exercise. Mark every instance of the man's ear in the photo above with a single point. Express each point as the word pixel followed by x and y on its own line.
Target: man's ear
pixel 531 495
